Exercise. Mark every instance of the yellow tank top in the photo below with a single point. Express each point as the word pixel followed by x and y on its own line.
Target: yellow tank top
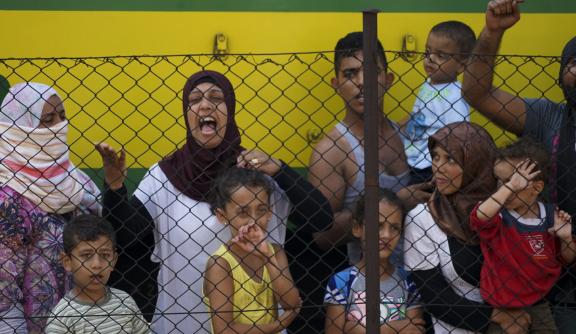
pixel 253 303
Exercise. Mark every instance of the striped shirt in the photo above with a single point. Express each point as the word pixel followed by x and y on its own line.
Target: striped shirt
pixel 118 313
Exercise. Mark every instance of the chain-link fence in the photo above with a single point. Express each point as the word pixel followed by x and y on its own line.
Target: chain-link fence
pixel 286 105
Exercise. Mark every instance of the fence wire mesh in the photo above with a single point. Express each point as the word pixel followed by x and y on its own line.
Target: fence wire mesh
pixel 287 105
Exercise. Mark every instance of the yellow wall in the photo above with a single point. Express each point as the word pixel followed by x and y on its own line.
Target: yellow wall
pixel 120 113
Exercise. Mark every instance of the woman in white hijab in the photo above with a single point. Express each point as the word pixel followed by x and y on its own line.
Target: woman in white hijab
pixel 40 189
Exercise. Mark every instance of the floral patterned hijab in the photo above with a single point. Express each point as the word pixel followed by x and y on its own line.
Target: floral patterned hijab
pixel 35 161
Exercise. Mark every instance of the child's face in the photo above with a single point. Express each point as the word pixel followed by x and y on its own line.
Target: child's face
pixel 246 205
pixel 91 263
pixel 447 173
pixel 442 62
pixel 389 227
pixel 503 170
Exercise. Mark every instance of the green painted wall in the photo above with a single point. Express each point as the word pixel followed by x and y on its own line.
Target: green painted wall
pixel 464 6
pixel 135 175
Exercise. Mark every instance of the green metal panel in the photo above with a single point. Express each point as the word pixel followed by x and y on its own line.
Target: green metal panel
pixel 466 6
pixel 4 86
pixel 135 175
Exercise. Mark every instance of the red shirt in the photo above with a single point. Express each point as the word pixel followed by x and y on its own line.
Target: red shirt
pixel 520 261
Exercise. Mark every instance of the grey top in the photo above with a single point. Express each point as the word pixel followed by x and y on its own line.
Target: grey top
pixel 353 192
pixel 543 120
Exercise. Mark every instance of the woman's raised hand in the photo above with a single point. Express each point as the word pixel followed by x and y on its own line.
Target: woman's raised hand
pixel 114 165
pixel 260 161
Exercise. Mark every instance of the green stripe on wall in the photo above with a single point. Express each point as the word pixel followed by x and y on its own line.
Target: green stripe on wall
pixel 135 175
pixel 463 6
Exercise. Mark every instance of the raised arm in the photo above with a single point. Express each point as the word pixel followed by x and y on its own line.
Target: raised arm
pixel 563 230
pixel 523 175
pixel 504 109
pixel 129 217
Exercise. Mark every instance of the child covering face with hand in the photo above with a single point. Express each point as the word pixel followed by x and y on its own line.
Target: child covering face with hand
pixel 524 241
pixel 247 278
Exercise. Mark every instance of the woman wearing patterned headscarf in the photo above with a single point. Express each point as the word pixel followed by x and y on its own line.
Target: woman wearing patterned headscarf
pixel 441 251
pixel 40 189
pixel 171 202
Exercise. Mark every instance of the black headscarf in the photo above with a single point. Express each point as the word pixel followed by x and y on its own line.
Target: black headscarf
pixel 566 178
pixel 192 169
pixel 568 53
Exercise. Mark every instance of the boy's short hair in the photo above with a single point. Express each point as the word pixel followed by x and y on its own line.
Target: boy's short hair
pixel 348 45
pixel 86 227
pixel 386 195
pixel 527 148
pixel 459 32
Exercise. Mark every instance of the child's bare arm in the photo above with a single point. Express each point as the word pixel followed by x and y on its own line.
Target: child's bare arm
pixel 252 239
pixel 414 313
pixel 285 291
pixel 563 230
pixel 522 178
pixel 219 289
pixel 335 319
pixel 490 207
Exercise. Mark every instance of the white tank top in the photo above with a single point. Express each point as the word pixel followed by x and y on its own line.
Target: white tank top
pixel 354 191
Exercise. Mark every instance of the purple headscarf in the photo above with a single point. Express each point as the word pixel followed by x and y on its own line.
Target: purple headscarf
pixel 192 169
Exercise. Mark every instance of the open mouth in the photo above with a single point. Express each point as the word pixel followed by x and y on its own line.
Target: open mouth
pixel 208 125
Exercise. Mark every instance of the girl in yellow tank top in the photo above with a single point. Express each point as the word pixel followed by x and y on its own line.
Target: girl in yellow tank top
pixel 247 278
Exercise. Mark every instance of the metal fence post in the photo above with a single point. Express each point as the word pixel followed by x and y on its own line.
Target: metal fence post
pixel 371 181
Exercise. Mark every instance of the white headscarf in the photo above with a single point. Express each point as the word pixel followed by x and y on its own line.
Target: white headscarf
pixel 35 161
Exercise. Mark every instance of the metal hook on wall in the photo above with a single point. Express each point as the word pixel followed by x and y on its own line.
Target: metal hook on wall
pixel 409 48
pixel 220 46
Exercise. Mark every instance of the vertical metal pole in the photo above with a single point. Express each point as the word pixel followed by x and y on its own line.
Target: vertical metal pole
pixel 371 123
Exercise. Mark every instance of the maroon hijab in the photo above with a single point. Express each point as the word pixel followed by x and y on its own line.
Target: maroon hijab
pixel 192 169
pixel 474 150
